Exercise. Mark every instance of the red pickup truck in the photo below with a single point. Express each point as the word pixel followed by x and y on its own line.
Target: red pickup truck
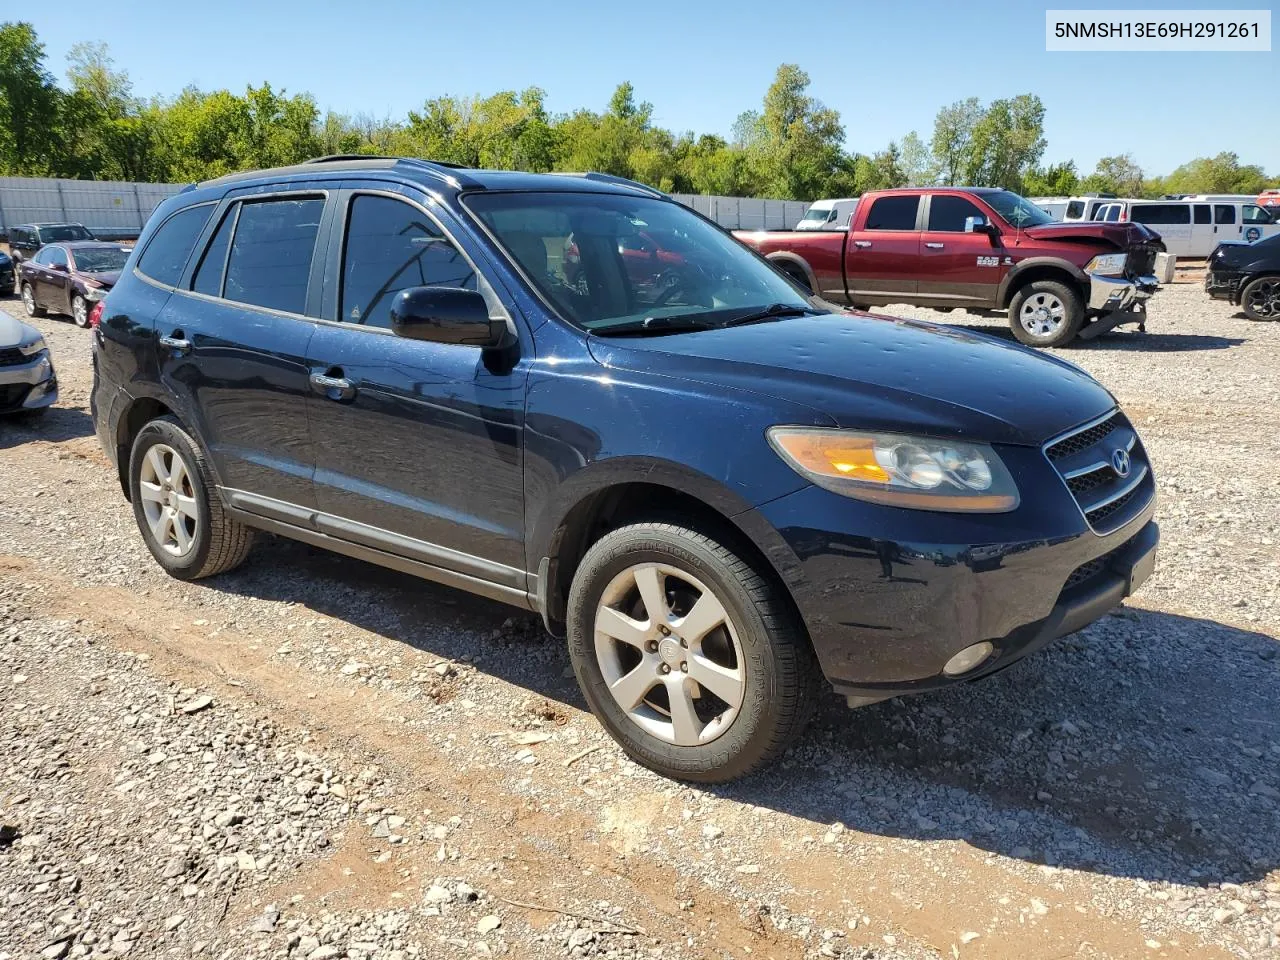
pixel 981 249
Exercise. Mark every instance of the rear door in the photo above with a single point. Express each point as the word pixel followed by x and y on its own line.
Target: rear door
pixel 882 256
pixel 419 445
pixel 233 341
pixel 958 266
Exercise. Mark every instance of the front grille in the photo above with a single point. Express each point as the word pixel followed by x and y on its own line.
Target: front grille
pixel 1085 572
pixel 12 395
pixel 1085 460
pixel 12 355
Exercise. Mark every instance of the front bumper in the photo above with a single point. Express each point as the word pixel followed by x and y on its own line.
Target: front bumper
pixel 28 386
pixel 1120 294
pixel 888 607
pixel 1222 286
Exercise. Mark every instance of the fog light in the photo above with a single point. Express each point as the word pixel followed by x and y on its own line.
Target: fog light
pixel 968 658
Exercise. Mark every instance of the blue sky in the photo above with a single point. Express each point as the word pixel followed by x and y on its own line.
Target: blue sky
pixel 887 67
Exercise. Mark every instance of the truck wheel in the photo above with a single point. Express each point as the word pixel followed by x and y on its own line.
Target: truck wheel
pixel 1261 298
pixel 1046 313
pixel 182 521
pixel 692 660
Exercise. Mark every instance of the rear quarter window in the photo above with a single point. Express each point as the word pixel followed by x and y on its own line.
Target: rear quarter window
pixel 170 247
pixel 1157 213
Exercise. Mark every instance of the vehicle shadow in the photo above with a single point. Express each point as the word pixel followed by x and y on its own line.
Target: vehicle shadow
pixel 55 424
pixel 1145 746
pixel 1124 339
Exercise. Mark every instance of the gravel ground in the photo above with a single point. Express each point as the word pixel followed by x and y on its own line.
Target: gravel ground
pixel 315 758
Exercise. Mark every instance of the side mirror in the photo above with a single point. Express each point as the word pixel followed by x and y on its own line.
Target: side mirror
pixel 980 225
pixel 446 315
pixel 59 267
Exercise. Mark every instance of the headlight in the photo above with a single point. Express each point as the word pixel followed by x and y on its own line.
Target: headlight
pixel 94 294
pixel 1107 264
pixel 31 347
pixel 901 471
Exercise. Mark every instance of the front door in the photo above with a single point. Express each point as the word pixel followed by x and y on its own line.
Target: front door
pixel 55 280
pixel 958 267
pixel 419 445
pixel 882 258
pixel 232 344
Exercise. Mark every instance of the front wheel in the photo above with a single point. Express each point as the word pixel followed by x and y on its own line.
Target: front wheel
pixel 1046 313
pixel 29 302
pixel 691 659
pixel 1261 298
pixel 80 311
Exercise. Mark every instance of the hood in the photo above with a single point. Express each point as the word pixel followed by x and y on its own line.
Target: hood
pixel 13 331
pixel 1122 235
pixel 108 278
pixel 881 373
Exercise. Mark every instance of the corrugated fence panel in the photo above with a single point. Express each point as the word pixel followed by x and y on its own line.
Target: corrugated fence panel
pixel 108 208
pixel 111 208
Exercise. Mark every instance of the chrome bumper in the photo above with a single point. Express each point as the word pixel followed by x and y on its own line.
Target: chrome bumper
pixel 1109 294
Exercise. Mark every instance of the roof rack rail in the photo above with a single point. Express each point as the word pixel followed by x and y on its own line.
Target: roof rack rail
pixel 610 178
pixel 340 157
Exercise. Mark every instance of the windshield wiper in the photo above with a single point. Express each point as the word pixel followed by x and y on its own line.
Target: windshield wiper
pixel 656 325
pixel 774 311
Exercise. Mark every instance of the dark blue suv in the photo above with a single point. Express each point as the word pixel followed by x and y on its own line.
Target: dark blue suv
pixel 574 395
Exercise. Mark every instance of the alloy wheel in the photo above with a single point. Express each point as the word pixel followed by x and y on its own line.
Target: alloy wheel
pixel 80 311
pixel 28 300
pixel 1264 299
pixel 168 500
pixel 1042 314
pixel 669 653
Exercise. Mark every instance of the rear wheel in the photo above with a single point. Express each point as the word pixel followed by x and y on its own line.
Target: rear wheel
pixel 692 660
pixel 1261 298
pixel 80 311
pixel 797 274
pixel 182 520
pixel 29 302
pixel 1046 313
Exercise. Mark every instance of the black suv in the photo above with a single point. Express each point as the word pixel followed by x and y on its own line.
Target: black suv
pixel 715 488
pixel 26 239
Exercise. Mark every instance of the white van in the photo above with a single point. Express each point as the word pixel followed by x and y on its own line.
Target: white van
pixel 1192 228
pixel 828 214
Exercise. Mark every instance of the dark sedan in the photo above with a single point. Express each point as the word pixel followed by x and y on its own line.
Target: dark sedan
pixel 8 273
pixel 1247 274
pixel 69 278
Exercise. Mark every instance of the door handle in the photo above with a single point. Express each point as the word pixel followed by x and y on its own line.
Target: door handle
pixel 935 246
pixel 862 243
pixel 334 388
pixel 178 344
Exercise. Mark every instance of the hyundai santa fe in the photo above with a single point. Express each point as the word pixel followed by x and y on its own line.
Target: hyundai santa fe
pixel 725 496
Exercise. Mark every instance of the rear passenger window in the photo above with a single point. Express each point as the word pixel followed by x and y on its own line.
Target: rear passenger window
pixel 948 214
pixel 1158 213
pixel 893 213
pixel 1202 213
pixel 208 278
pixel 390 246
pixel 270 261
pixel 1224 213
pixel 168 250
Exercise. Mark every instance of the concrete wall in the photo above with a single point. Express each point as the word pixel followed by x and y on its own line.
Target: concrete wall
pixel 741 213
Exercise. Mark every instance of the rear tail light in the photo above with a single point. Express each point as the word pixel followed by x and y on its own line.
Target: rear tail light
pixel 95 315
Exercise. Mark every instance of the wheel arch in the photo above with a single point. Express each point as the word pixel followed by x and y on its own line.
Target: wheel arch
pixel 1042 268
pixel 607 507
pixel 133 418
pixel 791 263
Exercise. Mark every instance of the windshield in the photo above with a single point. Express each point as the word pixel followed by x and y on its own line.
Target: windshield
pixel 1017 210
pixel 817 215
pixel 100 260
pixel 604 260
pixel 60 234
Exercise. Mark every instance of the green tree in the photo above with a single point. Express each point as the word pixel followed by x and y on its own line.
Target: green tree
pixel 1056 180
pixel 952 142
pixel 917 161
pixel 1219 174
pixel 1005 142
pixel 29 101
pixel 1120 175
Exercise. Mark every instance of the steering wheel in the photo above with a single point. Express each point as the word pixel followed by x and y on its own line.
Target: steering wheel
pixel 686 278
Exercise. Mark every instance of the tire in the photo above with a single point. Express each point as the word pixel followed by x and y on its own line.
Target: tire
pixel 206 539
pixel 761 654
pixel 29 302
pixel 1046 313
pixel 1260 298
pixel 80 311
pixel 797 276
